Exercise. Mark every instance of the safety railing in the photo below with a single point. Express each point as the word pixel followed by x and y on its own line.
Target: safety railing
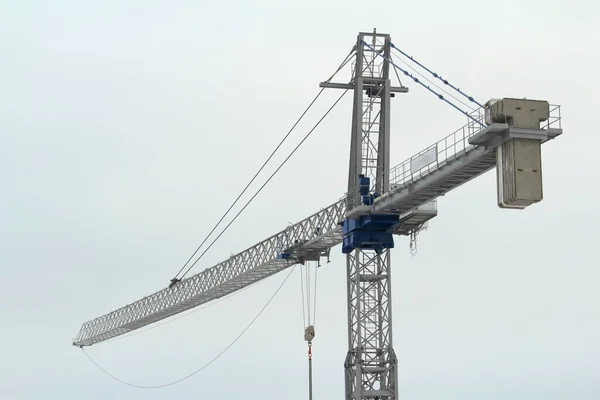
pixel 438 154
pixel 555 119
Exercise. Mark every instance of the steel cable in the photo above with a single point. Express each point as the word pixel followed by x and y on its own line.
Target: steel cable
pixel 266 182
pixel 205 365
pixel 263 165
pixel 435 75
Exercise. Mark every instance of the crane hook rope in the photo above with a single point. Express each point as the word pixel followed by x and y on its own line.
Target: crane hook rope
pixel 205 365
pixel 310 380
pixel 308 284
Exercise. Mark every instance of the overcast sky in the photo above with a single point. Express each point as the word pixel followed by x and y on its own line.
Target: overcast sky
pixel 127 128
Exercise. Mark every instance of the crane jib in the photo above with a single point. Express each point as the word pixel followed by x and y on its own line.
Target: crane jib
pixel 457 161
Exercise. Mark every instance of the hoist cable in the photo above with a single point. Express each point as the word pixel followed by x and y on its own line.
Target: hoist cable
pixel 315 298
pixel 307 271
pixel 205 365
pixel 310 372
pixel 304 322
pixel 266 182
pixel 435 75
pixel 264 164
pixel 425 86
pixel 309 324
pixel 308 286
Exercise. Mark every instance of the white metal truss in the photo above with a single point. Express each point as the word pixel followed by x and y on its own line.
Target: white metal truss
pixel 371 365
pixel 457 162
pixel 308 239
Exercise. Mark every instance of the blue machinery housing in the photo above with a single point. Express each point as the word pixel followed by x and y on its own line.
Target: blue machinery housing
pixel 369 232
pixel 373 231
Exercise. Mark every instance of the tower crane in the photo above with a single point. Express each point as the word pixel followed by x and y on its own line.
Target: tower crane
pixel 381 202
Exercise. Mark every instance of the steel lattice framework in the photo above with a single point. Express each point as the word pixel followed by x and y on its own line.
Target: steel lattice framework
pixel 407 192
pixel 307 240
pixel 370 364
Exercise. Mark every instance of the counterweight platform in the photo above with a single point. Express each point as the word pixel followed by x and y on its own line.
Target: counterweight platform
pixel 414 186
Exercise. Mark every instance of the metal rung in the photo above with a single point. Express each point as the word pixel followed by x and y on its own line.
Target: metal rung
pixel 375 370
pixel 377 393
pixel 372 278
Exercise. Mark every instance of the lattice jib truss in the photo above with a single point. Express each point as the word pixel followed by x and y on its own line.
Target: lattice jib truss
pixel 309 239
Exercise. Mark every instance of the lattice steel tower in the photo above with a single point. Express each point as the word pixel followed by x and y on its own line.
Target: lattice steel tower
pixel 371 362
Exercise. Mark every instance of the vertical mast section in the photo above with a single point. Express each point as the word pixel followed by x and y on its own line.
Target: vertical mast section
pixel 371 365
pixel 369 148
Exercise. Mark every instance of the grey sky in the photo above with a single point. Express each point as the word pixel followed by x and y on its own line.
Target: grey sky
pixel 126 130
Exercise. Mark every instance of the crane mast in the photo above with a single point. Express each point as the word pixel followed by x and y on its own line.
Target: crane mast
pixel 369 145
pixel 371 365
